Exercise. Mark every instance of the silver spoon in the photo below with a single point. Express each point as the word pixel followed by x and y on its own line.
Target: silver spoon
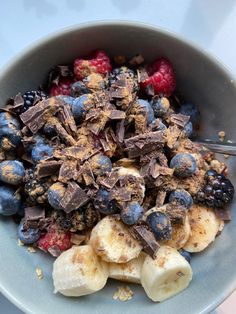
pixel 218 147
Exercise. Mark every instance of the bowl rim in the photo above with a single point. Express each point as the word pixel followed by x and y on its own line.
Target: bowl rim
pixel 32 47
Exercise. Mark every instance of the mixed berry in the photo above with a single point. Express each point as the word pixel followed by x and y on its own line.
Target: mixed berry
pixel 101 139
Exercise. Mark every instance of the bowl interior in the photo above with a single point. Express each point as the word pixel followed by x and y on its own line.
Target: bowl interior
pixel 203 82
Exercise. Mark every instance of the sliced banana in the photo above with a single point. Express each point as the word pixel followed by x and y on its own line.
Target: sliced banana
pixel 204 228
pixel 129 272
pixel 79 271
pixel 180 235
pixel 112 241
pixel 166 275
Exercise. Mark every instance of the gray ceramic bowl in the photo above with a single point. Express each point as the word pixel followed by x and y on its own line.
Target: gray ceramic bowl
pixel 203 81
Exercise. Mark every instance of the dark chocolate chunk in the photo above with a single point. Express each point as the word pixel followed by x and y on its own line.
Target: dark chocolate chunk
pixel 179 119
pixel 61 131
pixel 74 198
pixel 48 168
pixel 176 212
pixel 34 213
pixel 54 250
pixel 144 143
pixel 160 198
pixel 87 174
pixel 223 213
pixel 116 114
pixel 120 131
pixel 111 180
pixel 146 238
pixel 142 74
pixel 36 116
pixel 67 119
pixel 18 103
pixel 121 194
pixel 67 171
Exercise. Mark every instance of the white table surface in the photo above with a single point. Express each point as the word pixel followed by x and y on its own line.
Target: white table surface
pixel 209 23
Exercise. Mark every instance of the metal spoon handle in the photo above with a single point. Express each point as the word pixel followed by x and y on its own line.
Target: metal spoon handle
pixel 221 148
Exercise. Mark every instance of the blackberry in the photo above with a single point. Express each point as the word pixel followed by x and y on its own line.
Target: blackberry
pixel 217 192
pixel 124 73
pixel 35 189
pixel 30 98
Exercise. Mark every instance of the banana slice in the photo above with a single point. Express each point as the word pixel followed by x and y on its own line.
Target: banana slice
pixel 112 241
pixel 166 275
pixel 180 235
pixel 78 271
pixel 129 272
pixel 204 228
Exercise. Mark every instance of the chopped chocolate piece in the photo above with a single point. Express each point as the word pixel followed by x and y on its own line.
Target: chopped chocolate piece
pixel 144 143
pixel 36 116
pixel 172 135
pixel 142 74
pixel 87 174
pixel 62 133
pixel 177 213
pixel 18 103
pixel 111 180
pixel 67 171
pixel 179 119
pixel 223 213
pixel 56 73
pixel 160 198
pixel 104 144
pixel 74 198
pixel 68 120
pixel 119 92
pixel 47 168
pixel 34 213
pixel 75 152
pixel 116 114
pixel 146 238
pixel 54 250
pixel 120 131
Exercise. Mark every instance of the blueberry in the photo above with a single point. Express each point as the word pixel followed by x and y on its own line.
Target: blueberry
pixel 78 107
pixel 27 235
pixel 78 89
pixel 101 164
pixel 103 203
pixel 67 99
pixel 41 151
pixel 145 105
pixel 189 131
pixel 10 137
pixel 181 197
pixel 160 106
pixel 184 165
pixel 186 255
pixel 210 174
pixel 158 125
pixel 55 194
pixel 6 119
pixel 191 110
pixel 12 172
pixel 10 201
pixel 131 214
pixel 160 225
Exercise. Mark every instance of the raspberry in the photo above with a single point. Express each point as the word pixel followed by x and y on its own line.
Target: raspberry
pixel 62 88
pixel 55 238
pixel 161 77
pixel 98 63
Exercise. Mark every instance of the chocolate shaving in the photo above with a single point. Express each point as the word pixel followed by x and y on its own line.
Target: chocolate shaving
pixel 160 198
pixel 74 198
pixel 223 213
pixel 67 119
pixel 144 143
pixel 62 133
pixel 87 174
pixel 111 180
pixel 34 213
pixel 67 171
pixel 79 153
pixel 120 131
pixel 179 119
pixel 146 238
pixel 48 168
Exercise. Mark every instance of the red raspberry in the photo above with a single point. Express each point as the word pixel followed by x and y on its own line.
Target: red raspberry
pixel 55 238
pixel 161 77
pixel 98 63
pixel 63 87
